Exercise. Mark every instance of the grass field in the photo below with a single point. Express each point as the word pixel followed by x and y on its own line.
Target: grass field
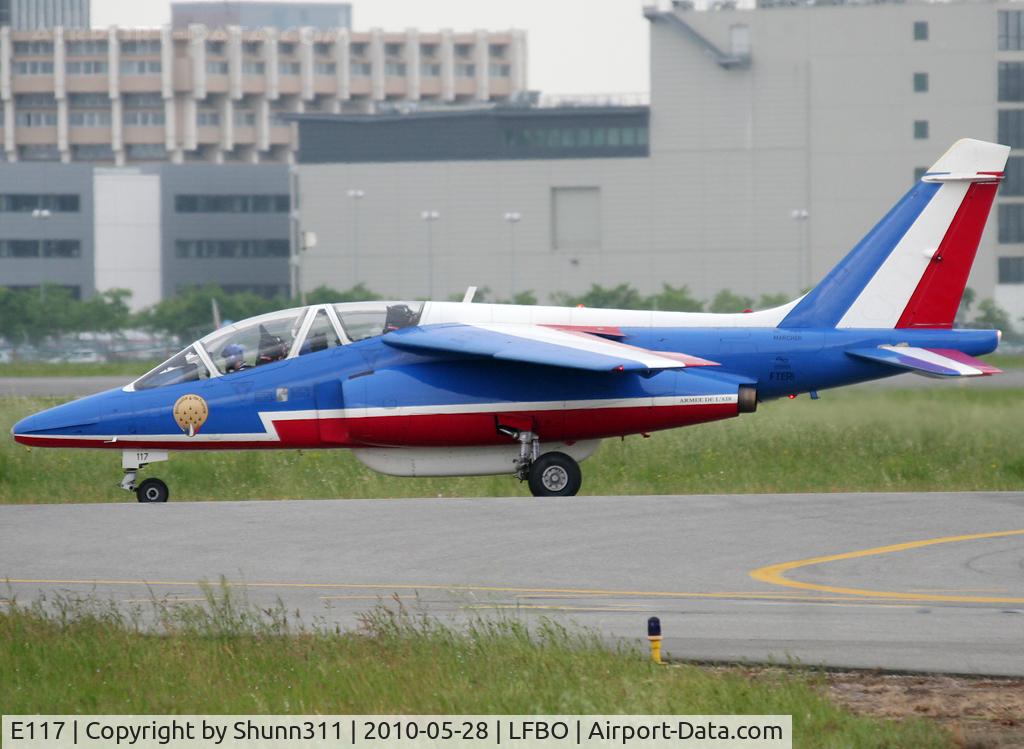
pixel 226 658
pixel 867 440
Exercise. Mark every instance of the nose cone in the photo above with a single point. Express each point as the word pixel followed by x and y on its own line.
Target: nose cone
pixel 79 418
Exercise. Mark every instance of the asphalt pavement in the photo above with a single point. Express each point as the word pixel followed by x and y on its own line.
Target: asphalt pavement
pixel 919 582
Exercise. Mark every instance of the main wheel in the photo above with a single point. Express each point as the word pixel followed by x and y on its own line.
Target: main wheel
pixel 555 475
pixel 152 490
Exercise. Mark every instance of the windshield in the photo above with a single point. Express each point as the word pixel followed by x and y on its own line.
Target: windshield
pixel 253 342
pixel 185 366
pixel 363 320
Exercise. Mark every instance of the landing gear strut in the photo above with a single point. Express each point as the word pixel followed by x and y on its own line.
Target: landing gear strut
pixel 150 490
pixel 551 474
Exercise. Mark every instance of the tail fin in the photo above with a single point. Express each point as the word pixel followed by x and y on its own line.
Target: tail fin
pixel 911 269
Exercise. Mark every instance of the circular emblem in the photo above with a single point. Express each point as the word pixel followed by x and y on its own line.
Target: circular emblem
pixel 190 411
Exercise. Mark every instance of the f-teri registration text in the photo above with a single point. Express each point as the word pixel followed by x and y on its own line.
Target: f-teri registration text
pixel 399 731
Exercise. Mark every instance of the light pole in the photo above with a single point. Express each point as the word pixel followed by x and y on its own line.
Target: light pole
pixel 356 195
pixel 42 214
pixel 512 218
pixel 430 216
pixel 800 215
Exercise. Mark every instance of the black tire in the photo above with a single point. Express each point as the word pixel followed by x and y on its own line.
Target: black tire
pixel 555 475
pixel 152 490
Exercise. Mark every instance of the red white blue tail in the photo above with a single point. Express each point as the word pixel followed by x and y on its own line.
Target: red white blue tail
pixel 910 270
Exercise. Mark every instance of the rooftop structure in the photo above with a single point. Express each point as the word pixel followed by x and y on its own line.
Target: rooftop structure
pixel 256 14
pixel 35 15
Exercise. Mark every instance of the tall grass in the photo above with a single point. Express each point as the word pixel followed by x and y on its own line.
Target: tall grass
pixel 864 440
pixel 80 656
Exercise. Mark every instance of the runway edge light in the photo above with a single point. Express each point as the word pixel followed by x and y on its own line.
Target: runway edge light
pixel 654 635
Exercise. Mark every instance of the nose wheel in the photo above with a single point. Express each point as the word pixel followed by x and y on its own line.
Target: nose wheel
pixel 152 490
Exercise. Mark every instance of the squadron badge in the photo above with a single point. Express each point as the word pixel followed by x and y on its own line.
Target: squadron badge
pixel 190 411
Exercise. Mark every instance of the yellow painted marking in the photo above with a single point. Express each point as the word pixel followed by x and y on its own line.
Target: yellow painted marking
pixel 550 592
pixel 775 574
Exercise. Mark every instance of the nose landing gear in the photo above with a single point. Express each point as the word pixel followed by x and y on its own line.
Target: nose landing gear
pixel 553 474
pixel 150 490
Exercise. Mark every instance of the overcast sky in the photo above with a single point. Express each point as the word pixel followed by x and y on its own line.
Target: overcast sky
pixel 575 46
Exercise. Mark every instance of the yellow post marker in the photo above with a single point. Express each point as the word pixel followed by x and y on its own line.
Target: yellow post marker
pixel 654 635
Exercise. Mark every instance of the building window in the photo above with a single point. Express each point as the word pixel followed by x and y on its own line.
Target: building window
pixel 143 101
pixel 87 47
pixel 232 203
pixel 322 49
pixel 1011 223
pixel 92 152
pixel 500 70
pixel 358 49
pixel 394 68
pixel 33 67
pixel 286 48
pixel 919 172
pixel 430 70
pixel 28 202
pixel 140 47
pixel 464 51
pixel 216 67
pixel 34 49
pixel 920 31
pixel 1011 270
pixel 1011 81
pixel 920 129
pixel 231 248
pixel 920 82
pixel 146 151
pixel 35 119
pixel 250 67
pixel 1013 180
pixel 393 50
pixel 465 69
pixel 143 118
pixel 289 68
pixel 86 67
pixel 428 50
pixel 576 218
pixel 360 68
pixel 254 49
pixel 1011 127
pixel 1011 29
pixel 207 119
pixel 29 248
pixel 89 118
pixel 497 51
pixel 245 118
pixel 140 67
pixel 325 68
pixel 214 48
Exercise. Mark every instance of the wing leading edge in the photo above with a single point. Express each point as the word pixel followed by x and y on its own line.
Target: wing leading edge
pixel 537 344
pixel 931 362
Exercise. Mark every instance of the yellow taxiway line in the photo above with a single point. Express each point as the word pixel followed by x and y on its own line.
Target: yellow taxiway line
pixel 775 574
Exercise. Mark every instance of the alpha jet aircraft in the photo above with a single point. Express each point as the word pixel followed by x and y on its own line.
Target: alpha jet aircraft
pixel 439 388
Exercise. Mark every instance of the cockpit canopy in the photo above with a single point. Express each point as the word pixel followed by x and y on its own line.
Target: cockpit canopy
pixel 280 335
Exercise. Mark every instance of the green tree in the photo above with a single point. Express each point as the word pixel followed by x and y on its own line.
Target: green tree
pixel 767 301
pixel 327 295
pixel 675 299
pixel 189 315
pixel 728 301
pixel 991 315
pixel 106 312
pixel 966 301
pixel 622 296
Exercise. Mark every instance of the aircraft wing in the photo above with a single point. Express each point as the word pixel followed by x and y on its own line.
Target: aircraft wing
pixel 537 344
pixel 931 362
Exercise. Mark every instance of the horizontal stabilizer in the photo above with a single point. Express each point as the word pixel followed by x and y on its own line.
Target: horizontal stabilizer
pixel 932 362
pixel 537 344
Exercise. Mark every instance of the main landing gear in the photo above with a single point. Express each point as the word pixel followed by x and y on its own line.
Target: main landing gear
pixel 150 490
pixel 551 474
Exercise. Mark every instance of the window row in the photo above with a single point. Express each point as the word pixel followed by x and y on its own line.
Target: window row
pixel 1011 30
pixel 28 248
pixel 1011 270
pixel 231 248
pixel 1011 81
pixel 1011 223
pixel 232 203
pixel 1011 127
pixel 28 202
pixel 579 137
